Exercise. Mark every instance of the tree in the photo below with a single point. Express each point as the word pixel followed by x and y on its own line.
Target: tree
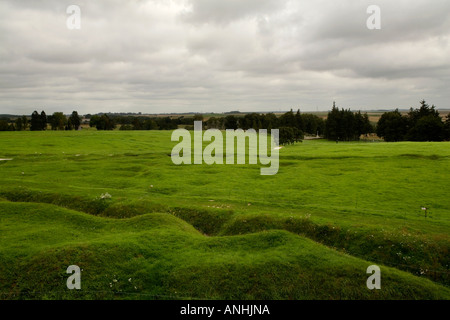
pixel 19 124
pixel 103 122
pixel 94 120
pixel 215 123
pixel 362 124
pixel 58 121
pixel 150 124
pixel 198 117
pixel 288 120
pixel 313 124
pixel 392 126
pixel 424 110
pixel 248 121
pixel 340 125
pixel 346 125
pixel 75 120
pixel 428 128
pixel 425 124
pixel 36 122
pixel 270 121
pixel 230 122
pixel 368 127
pixel 421 124
pixel 69 125
pixel 137 124
pixel 332 123
pixel 299 121
pixel 4 126
pixel 290 135
pixel 166 123
pixel 24 122
pixel 43 120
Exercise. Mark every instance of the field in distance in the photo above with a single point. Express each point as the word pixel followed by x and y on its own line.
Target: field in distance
pixel 140 227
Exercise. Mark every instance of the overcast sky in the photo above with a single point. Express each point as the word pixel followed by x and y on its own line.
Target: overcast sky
pixel 161 56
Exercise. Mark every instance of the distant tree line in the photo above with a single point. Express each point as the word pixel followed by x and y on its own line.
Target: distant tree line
pixel 306 123
pixel 292 126
pixel 40 122
pixel 111 121
pixel 421 124
pixel 6 124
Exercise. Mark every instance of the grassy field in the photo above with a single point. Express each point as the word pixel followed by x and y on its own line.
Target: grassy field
pixel 221 231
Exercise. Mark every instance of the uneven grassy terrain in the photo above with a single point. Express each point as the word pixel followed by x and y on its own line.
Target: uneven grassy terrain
pixel 221 231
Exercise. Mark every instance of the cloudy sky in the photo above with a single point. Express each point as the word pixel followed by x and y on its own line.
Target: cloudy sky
pixel 160 56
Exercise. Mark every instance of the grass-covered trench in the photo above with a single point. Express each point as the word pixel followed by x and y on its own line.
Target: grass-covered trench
pixel 221 231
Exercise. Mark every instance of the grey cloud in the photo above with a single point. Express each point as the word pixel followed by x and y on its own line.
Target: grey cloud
pixel 207 55
pixel 223 12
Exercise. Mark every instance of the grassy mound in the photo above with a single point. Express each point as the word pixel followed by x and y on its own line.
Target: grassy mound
pixel 158 256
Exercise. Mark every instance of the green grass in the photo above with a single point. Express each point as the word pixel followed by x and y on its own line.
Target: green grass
pixel 221 231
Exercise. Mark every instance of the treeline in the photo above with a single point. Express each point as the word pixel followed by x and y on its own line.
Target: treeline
pixel 307 123
pixel 346 125
pixel 342 124
pixel 292 125
pixel 7 125
pixel 421 124
pixel 125 122
pixel 40 122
